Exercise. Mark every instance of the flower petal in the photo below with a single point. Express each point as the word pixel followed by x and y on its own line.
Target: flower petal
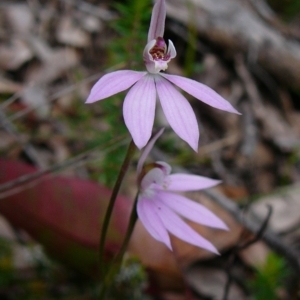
pixel 151 221
pixel 202 92
pixel 154 63
pixel 147 150
pixel 113 83
pixel 175 225
pixel 155 176
pixel 157 24
pixel 178 112
pixel 171 50
pixel 189 182
pixel 139 109
pixel 191 210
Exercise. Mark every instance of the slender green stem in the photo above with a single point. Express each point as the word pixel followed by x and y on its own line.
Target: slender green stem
pixel 132 221
pixel 122 172
pixel 116 263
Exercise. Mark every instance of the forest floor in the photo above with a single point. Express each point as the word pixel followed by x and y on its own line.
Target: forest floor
pixel 52 52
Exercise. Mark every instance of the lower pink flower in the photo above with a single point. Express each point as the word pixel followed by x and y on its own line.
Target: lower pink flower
pixel 161 209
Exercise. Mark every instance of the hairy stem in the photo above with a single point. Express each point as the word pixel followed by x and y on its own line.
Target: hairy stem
pixel 122 172
pixel 116 263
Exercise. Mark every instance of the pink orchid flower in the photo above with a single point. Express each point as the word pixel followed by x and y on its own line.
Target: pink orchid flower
pixel 140 101
pixel 160 208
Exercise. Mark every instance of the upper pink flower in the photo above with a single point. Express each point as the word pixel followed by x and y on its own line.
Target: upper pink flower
pixel 140 101
pixel 160 208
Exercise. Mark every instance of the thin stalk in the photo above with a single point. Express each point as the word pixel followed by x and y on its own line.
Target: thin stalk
pixel 122 172
pixel 116 263
pixel 132 221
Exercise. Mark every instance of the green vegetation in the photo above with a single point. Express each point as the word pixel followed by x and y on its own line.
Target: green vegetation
pixel 269 278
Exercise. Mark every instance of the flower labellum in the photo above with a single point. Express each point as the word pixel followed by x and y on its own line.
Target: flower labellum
pixel 161 209
pixel 157 55
pixel 140 101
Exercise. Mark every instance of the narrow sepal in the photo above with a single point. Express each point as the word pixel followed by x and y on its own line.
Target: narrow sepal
pixel 157 24
pixel 189 182
pixel 178 112
pixel 191 210
pixel 148 216
pixel 139 110
pixel 175 225
pixel 201 92
pixel 113 83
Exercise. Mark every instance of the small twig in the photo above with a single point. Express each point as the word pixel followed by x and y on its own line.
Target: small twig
pixel 238 248
pixel 269 237
pixel 250 131
pixel 27 147
pixel 269 16
pixel 250 86
pixel 221 170
pixel 57 167
pixel 92 9
pixel 259 234
pixel 219 144
pixel 30 180
pixel 274 125
pixel 58 94
pixel 10 100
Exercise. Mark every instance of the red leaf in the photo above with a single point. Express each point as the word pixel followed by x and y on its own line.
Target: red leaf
pixel 64 215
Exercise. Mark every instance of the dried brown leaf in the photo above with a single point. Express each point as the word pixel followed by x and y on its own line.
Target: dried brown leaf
pixel 286 208
pixel 70 34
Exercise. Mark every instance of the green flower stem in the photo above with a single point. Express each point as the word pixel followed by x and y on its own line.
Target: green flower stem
pixel 116 263
pixel 122 172
pixel 133 218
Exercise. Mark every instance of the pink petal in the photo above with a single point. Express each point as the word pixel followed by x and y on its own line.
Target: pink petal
pixel 188 182
pixel 113 83
pixel 201 92
pixel 147 150
pixel 175 225
pixel 154 176
pixel 178 112
pixel 171 50
pixel 139 109
pixel 191 210
pixel 151 221
pixel 157 25
pixel 148 59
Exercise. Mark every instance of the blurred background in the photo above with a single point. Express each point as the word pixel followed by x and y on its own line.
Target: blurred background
pixel 60 157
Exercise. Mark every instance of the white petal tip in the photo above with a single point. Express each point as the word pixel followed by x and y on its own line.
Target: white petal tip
pixel 140 145
pixel 215 182
pixel 169 247
pixel 225 227
pixel 193 145
pixel 91 99
pixel 139 141
pixel 195 148
pixel 231 109
pixel 219 224
pixel 237 112
pixel 211 248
